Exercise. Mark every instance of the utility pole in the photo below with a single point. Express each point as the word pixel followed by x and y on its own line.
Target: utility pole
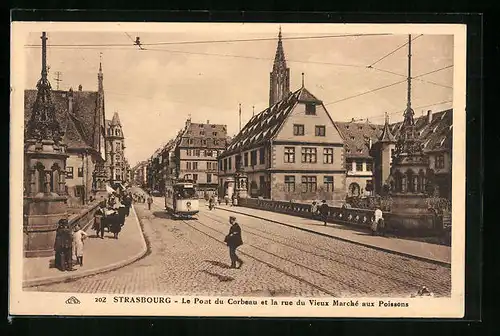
pixel 58 78
pixel 240 116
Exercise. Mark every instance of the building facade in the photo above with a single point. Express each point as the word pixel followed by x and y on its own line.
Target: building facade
pixel 370 151
pixel 196 153
pixel 291 150
pixel 115 152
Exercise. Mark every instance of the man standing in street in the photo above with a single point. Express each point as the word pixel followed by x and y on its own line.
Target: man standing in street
pixel 150 201
pixel 233 241
pixel 324 209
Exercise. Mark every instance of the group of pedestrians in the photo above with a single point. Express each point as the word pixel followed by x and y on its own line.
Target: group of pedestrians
pixel 111 214
pixel 321 212
pixel 68 245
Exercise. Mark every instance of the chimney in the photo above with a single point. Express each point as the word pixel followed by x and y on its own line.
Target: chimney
pixel 208 122
pixel 188 122
pixel 429 116
pixel 80 87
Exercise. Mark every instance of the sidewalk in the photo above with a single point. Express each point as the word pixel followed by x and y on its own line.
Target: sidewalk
pixel 425 251
pixel 100 255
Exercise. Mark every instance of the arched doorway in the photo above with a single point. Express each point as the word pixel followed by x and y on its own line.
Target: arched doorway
pixel 354 190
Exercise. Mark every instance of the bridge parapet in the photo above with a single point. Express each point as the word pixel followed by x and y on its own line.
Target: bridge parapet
pixel 404 225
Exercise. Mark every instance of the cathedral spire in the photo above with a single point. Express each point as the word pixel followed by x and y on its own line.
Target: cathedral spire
pixel 280 75
pixel 100 76
pixel 43 124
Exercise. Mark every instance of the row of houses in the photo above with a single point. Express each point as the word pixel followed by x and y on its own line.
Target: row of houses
pixel 294 149
pixel 91 140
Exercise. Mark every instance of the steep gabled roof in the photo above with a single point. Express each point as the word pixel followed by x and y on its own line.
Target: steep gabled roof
pixel 357 137
pixel 435 136
pixel 266 124
pixel 80 125
pixel 214 135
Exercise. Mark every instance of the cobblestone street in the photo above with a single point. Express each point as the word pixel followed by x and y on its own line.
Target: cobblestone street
pixel 189 257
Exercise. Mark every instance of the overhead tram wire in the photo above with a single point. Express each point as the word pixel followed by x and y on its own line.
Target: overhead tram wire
pixel 214 41
pixel 386 86
pixel 392 52
pixel 419 79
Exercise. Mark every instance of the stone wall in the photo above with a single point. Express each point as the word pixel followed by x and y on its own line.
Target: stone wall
pixel 408 225
pixel 85 218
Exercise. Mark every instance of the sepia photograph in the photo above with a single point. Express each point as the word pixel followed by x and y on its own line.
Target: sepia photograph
pixel 237 169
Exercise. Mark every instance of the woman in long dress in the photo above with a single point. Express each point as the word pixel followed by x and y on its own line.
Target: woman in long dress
pixel 78 237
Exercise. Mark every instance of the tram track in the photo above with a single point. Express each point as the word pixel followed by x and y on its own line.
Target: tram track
pixel 402 277
pixel 351 261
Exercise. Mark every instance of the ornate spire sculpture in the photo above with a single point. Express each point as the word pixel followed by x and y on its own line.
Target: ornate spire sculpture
pixel 408 142
pixel 43 124
pixel 280 75
pixel 387 135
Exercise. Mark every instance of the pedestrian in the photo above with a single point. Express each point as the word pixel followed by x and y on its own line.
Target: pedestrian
pixel 127 202
pixel 58 246
pixel 378 225
pixel 66 246
pixel 150 201
pixel 233 241
pixel 211 202
pixel 78 237
pixel 115 224
pixel 314 209
pixel 226 198
pixel 324 210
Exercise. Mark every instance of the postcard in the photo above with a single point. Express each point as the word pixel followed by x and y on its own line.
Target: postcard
pixel 237 169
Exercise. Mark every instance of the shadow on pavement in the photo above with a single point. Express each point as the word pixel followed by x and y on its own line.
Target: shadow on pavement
pixel 221 278
pixel 162 214
pixel 217 263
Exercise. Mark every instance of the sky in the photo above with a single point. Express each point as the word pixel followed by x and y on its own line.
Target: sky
pixel 155 90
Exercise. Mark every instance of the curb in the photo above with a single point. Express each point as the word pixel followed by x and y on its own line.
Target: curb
pixel 94 271
pixel 429 260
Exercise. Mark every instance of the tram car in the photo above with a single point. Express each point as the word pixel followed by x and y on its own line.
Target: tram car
pixel 181 199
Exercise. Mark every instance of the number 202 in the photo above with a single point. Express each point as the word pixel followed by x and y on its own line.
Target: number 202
pixel 100 299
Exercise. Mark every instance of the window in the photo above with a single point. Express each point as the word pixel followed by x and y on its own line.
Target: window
pixel 289 183
pixel 80 172
pixel 216 142
pixel 201 125
pixel 237 161
pixel 187 176
pixel 79 191
pixel 369 166
pixel 261 156
pixel 209 152
pixel 320 131
pixel 289 154
pixel 230 164
pixel 190 141
pixel 245 159
pixel 253 158
pixel 439 162
pixel 195 165
pixel 359 165
pixel 221 165
pixel 328 181
pixel 348 165
pixel 189 152
pixel 328 155
pixel 196 152
pixel 202 132
pixel 117 157
pixel 203 142
pixel 310 109
pixel 209 178
pixel 308 155
pixel 69 173
pixel 188 165
pixel 225 165
pixel 118 146
pixel 195 177
pixel 214 133
pixel 309 184
pixel 298 129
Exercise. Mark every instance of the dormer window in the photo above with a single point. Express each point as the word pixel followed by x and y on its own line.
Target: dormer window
pixel 310 109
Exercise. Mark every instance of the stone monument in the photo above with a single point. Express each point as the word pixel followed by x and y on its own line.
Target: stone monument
pixel 44 171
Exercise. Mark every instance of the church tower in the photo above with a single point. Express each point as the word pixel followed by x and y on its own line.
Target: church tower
pixel 279 86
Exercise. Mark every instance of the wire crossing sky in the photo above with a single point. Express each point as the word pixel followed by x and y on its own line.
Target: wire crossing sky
pixel 207 74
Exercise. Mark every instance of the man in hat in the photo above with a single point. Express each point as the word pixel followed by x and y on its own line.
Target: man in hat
pixel 324 209
pixel 233 241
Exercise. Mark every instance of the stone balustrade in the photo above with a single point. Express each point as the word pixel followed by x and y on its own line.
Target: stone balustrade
pixel 417 225
pixel 85 218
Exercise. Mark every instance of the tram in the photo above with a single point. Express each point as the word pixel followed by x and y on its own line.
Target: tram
pixel 181 199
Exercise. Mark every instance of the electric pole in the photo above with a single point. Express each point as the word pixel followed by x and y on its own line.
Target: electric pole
pixel 58 78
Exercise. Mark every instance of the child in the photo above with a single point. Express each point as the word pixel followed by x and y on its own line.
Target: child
pixel 78 237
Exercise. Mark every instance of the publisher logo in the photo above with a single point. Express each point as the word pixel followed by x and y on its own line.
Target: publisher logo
pixel 72 300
